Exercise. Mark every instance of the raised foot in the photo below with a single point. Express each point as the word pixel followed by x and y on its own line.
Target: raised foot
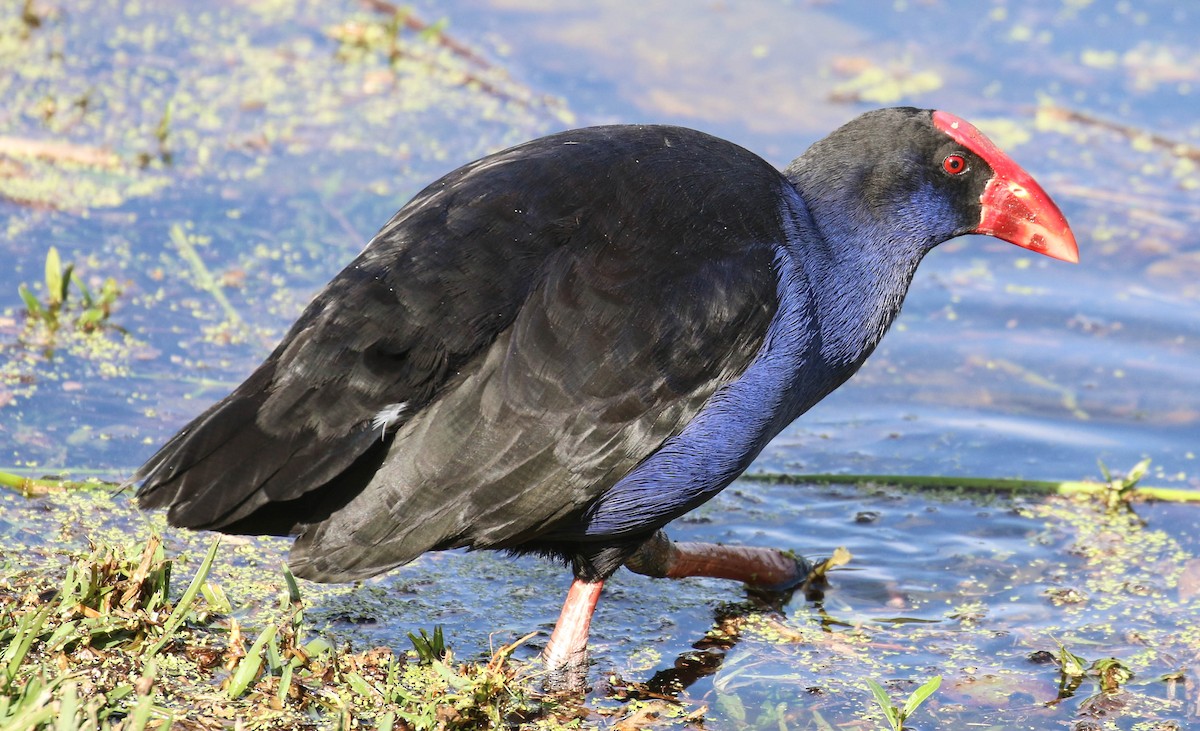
pixel 762 569
pixel 768 569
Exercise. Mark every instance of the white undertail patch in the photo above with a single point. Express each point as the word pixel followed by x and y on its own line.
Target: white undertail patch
pixel 388 416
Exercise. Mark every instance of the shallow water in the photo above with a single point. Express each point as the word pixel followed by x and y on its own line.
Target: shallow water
pixel 291 138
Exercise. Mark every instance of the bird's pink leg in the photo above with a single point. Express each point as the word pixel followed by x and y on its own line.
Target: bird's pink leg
pixel 566 653
pixel 767 568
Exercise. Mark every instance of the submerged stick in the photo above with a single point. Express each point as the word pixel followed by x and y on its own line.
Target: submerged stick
pixel 204 278
pixel 982 484
pixel 1067 397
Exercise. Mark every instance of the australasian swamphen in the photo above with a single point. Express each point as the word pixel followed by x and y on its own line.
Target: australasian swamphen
pixel 563 346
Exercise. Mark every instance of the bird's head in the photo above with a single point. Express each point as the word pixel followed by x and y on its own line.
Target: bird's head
pixel 920 177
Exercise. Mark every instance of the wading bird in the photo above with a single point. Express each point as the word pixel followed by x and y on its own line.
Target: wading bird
pixel 561 347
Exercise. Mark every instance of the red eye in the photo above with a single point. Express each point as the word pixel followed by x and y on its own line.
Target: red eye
pixel 954 164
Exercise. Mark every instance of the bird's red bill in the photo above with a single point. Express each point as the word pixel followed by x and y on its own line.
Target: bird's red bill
pixel 1015 208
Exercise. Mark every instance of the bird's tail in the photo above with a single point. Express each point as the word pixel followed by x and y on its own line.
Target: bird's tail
pixel 226 471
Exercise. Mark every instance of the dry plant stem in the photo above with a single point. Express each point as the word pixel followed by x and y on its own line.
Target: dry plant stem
pixel 58 151
pixel 1175 147
pixel 518 94
pixel 414 23
pixel 766 568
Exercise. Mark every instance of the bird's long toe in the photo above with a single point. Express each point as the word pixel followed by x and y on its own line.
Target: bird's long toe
pixel 762 568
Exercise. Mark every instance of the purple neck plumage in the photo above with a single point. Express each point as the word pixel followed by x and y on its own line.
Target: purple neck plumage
pixel 859 266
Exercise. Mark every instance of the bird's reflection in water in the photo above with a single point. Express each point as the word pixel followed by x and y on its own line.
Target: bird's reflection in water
pixel 708 654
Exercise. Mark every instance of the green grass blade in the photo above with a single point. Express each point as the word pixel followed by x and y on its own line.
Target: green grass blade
pixel 293 595
pixel 189 597
pixel 885 704
pixel 31 302
pixel 248 668
pixel 919 695
pixel 1137 473
pixel 64 283
pixel 360 685
pixel 28 629
pixel 285 682
pixel 90 318
pixel 140 715
pixel 85 293
pixel 68 708
pixel 215 596
pixel 274 655
pixel 54 277
pixel 62 635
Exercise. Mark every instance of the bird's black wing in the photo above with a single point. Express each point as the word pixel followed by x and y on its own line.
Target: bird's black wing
pixel 537 323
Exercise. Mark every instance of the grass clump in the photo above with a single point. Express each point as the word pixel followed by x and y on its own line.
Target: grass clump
pixel 110 645
pixel 65 653
pixel 93 309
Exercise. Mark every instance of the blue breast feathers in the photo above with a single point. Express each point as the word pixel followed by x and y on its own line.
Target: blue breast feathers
pixel 735 424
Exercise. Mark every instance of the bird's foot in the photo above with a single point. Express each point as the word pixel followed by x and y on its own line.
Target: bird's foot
pixel 569 676
pixel 767 569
